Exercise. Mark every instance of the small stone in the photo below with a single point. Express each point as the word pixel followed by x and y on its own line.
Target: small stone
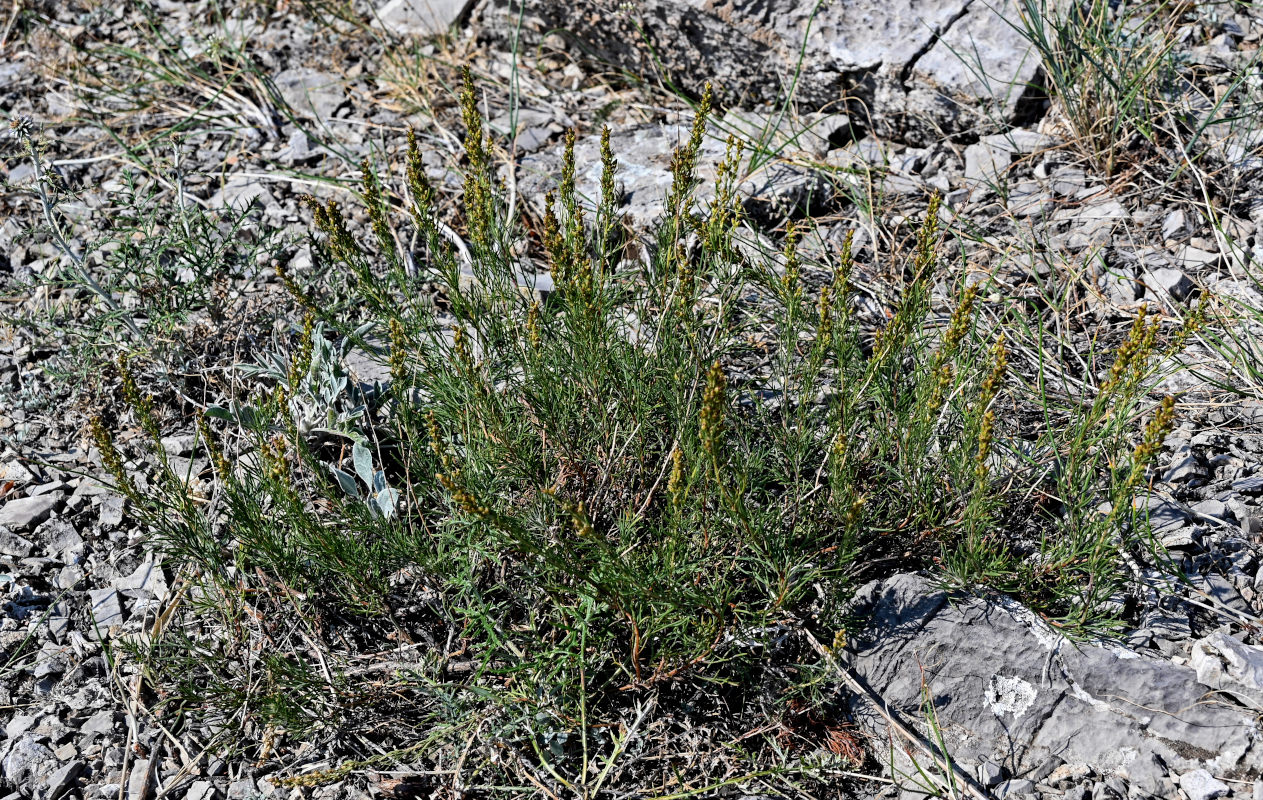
pixel 243 789
pixel 68 577
pixel 58 625
pixel 63 780
pixel 1201 785
pixel 19 725
pixel 310 92
pixel 140 781
pixel 1198 260
pixel 178 445
pixel 13 545
pixel 1186 467
pixel 1068 181
pixel 1175 226
pixel 111 511
pixel 990 775
pixel 106 610
pixel 25 513
pixel 1164 517
pixel 1251 485
pixel 53 660
pixel 420 17
pixel 1222 590
pixel 1224 663
pixel 1068 773
pixel 17 472
pixel 986 163
pixel 1044 770
pixel 1027 199
pixel 101 722
pixel 1015 787
pixel 201 790
pixel 532 139
pixel 1119 288
pixel 1213 511
pixel 45 488
pixel 147 577
pixel 26 762
pixel 1172 281
pixel 58 536
pixel 297 150
pixel 239 192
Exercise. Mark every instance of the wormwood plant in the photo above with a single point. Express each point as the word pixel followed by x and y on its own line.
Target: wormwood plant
pixel 601 494
pixel 150 275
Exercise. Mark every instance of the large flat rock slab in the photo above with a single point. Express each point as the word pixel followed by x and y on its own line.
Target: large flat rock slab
pixel 913 68
pixel 1008 689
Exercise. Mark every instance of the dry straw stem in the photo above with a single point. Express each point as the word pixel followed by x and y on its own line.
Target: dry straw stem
pixel 941 759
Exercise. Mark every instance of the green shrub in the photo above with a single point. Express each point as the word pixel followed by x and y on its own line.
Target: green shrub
pixel 568 502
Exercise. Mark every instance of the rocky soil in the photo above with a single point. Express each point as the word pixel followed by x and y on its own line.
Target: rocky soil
pixel 885 114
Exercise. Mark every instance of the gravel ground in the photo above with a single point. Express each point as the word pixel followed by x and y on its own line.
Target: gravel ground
pixel 315 98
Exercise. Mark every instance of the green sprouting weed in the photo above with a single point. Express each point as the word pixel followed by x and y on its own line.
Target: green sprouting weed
pixel 300 361
pixel 608 217
pixel 1151 442
pixel 398 352
pixel 958 326
pixel 609 167
pixel 569 244
pixel 790 281
pixel 985 433
pixel 564 396
pixel 291 286
pixel 824 319
pixel 140 402
pixel 995 378
pixel 890 342
pixel 110 458
pixel 475 150
pixel 436 441
pixel 846 262
pixel 675 483
pixel 726 209
pixel 460 349
pixel 943 375
pixel 684 162
pixel 583 527
pixel 839 291
pixel 423 198
pixel 478 197
pixel 1192 324
pixel 554 243
pixel 711 416
pixel 328 220
pixel 854 512
pixel 927 238
pixel 990 389
pixel 533 336
pixel 685 284
pixel 941 368
pixel 274 461
pixel 219 463
pixel 462 496
pixel 566 189
pixel 1132 357
pixel 378 213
